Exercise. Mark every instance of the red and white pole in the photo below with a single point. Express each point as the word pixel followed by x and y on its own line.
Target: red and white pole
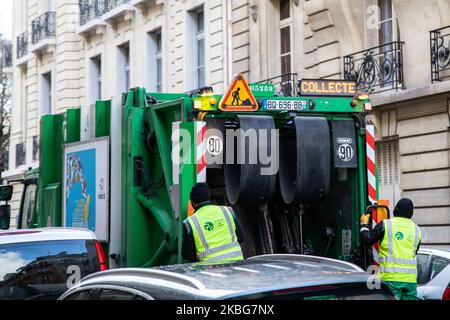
pixel 201 151
pixel 372 181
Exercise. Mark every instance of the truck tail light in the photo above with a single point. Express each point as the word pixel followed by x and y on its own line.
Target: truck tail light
pixel 101 256
pixel 446 295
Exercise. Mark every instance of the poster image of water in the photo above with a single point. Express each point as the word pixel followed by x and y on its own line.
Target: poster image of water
pixel 81 189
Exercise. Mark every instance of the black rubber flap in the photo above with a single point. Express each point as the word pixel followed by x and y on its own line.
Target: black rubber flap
pixel 246 178
pixel 305 161
pixel 344 144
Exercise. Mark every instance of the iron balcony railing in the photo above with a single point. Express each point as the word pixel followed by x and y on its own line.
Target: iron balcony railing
pixel 376 69
pixel 111 4
pixel 91 9
pixel 6 55
pixel 440 54
pixel 22 45
pixel 43 27
pixel 285 85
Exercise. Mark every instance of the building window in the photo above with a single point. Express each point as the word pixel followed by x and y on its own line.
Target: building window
pixel 96 78
pixel 35 148
pixel 200 47
pixel 20 154
pixel 285 36
pixel 46 93
pixel 386 22
pixel 156 61
pixel 5 158
pixel 285 9
pixel 388 171
pixel 124 63
pixel 285 27
pixel 195 54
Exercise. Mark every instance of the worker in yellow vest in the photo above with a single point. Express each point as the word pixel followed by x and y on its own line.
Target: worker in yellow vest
pixel 213 234
pixel 400 240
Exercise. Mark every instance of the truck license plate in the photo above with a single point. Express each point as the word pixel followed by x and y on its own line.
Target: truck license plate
pixel 289 105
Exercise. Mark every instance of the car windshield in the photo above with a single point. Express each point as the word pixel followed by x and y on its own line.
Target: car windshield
pixel 44 270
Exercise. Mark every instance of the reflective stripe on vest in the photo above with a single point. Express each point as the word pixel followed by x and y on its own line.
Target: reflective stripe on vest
pixel 225 256
pixel 207 250
pixel 398 270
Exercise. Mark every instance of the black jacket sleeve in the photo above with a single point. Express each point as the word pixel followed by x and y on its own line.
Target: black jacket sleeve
pixel 239 231
pixel 189 251
pixel 371 237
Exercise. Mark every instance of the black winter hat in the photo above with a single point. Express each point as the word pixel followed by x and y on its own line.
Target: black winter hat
pixel 404 208
pixel 200 193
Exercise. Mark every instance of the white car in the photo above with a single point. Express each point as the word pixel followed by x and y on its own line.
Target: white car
pixel 42 264
pixel 433 274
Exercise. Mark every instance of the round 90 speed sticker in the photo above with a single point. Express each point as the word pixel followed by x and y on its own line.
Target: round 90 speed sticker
pixel 346 152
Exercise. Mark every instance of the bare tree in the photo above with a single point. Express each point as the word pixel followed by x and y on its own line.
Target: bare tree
pixel 5 108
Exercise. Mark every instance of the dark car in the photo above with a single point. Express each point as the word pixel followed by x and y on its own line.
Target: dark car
pixel 42 264
pixel 265 277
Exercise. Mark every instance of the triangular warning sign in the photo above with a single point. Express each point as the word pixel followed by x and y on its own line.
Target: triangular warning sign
pixel 239 97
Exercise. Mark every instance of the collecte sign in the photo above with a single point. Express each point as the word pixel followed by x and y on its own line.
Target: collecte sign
pixel 343 88
pixel 86 186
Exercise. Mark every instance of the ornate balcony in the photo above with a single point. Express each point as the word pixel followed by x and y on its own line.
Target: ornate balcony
pixel 43 32
pixel 440 54
pixel 285 85
pixel 22 49
pixel 376 69
pixel 118 10
pixel 91 12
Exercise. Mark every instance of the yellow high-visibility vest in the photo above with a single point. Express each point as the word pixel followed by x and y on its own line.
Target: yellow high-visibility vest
pixel 398 261
pixel 215 238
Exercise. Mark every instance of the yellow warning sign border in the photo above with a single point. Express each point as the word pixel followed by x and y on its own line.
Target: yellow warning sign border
pixel 226 108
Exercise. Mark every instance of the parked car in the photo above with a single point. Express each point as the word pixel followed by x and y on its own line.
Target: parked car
pixel 433 274
pixel 42 264
pixel 263 277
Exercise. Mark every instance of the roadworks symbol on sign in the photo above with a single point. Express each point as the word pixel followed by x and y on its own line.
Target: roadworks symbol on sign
pixel 239 97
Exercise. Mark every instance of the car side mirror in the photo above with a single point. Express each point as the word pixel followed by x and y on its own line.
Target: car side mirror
pixel 6 193
pixel 5 217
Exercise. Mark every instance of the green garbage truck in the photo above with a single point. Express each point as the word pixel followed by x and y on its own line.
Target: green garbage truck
pixel 296 169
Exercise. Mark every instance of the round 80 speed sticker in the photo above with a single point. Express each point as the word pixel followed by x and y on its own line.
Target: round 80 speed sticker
pixel 214 145
pixel 346 152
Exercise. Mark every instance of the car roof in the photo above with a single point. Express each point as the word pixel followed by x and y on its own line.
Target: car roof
pixel 435 251
pixel 218 281
pixel 46 234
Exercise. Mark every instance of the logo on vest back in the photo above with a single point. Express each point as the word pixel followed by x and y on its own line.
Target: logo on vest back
pixel 209 226
pixel 399 236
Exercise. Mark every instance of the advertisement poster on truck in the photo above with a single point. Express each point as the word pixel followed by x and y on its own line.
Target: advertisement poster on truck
pixel 86 186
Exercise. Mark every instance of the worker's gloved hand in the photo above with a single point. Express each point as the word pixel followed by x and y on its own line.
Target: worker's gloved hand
pixel 365 218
